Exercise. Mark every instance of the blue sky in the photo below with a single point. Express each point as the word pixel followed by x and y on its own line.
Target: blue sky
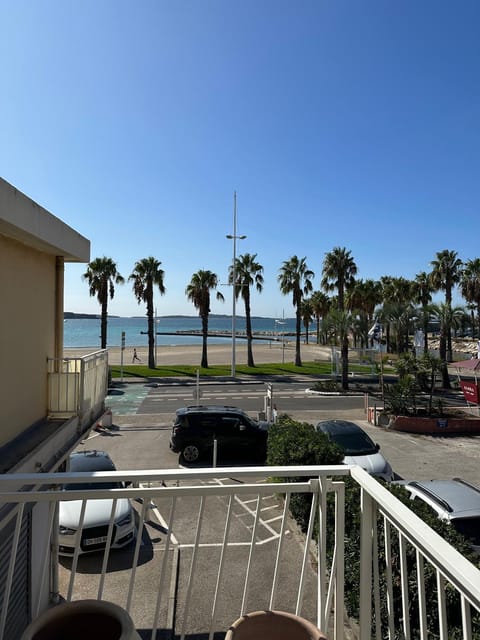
pixel 339 123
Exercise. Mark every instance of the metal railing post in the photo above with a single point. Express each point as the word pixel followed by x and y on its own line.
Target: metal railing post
pixel 365 586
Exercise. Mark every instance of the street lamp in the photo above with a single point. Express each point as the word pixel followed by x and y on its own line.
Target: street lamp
pixel 234 237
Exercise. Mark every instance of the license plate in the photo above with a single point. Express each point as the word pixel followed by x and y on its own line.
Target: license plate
pixel 91 541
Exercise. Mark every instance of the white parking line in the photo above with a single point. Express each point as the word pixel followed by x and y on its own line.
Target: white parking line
pixel 274 519
pixel 161 520
pixel 251 512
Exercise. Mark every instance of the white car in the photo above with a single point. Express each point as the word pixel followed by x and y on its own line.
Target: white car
pixel 94 533
pixel 358 447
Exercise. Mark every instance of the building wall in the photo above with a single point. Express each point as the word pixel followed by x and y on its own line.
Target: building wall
pixel 27 334
pixel 34 245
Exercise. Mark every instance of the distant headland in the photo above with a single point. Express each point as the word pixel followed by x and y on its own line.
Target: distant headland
pixel 69 315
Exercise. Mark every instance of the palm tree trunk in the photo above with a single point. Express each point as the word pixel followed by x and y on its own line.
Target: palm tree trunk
pixel 425 332
pixel 204 363
pixel 443 357
pixel 449 352
pixel 151 337
pixel 448 302
pixel 248 322
pixel 387 336
pixel 318 329
pixel 298 359
pixel 345 363
pixel 103 326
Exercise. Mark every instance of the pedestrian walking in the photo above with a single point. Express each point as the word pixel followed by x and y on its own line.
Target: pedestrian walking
pixel 135 357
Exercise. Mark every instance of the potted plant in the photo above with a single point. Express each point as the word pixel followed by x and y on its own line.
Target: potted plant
pixel 82 619
pixel 273 625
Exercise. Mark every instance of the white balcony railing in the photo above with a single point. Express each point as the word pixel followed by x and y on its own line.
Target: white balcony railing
pixel 77 386
pixel 213 544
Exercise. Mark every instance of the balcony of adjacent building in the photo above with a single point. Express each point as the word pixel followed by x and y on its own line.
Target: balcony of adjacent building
pixel 75 402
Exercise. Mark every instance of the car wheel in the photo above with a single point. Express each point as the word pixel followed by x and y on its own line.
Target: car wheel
pixel 190 453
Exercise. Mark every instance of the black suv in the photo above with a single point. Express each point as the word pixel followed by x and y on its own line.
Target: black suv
pixel 195 428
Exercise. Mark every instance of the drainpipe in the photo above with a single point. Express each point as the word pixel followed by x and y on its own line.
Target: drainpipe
pixel 59 279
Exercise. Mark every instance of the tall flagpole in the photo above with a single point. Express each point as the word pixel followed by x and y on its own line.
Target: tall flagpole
pixel 234 282
pixel 234 237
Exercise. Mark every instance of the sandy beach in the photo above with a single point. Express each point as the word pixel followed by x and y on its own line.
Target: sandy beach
pixel 263 353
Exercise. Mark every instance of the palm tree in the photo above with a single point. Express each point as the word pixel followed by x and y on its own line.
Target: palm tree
pixel 248 272
pixel 307 315
pixel 448 318
pixel 198 291
pixel 339 271
pixel 446 273
pixel 363 297
pixel 341 324
pixel 422 294
pixel 102 276
pixel 398 316
pixel 296 278
pixel 470 286
pixel 395 291
pixel 321 306
pixel 146 276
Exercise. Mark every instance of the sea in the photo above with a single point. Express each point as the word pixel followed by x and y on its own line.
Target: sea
pixel 85 332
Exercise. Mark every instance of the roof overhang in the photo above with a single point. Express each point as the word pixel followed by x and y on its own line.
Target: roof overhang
pixel 24 220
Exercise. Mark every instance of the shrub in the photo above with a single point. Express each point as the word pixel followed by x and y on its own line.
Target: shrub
pixel 326 385
pixel 292 443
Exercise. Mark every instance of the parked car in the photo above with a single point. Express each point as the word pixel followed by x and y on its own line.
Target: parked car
pixel 195 428
pixel 454 501
pixel 94 531
pixel 359 448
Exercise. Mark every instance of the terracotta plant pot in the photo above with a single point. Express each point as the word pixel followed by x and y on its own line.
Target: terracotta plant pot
pixel 82 620
pixel 273 625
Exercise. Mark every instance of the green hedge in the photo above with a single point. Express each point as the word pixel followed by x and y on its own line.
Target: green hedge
pixel 292 443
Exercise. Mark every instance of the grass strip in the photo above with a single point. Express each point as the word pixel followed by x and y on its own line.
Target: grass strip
pixel 224 370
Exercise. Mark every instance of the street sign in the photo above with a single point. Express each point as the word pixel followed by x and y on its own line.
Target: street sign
pixel 123 340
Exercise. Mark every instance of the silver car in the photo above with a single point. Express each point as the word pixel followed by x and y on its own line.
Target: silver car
pixel 358 447
pixel 454 501
pixel 94 532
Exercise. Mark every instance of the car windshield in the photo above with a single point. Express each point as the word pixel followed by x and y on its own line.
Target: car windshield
pixel 354 444
pixel 469 527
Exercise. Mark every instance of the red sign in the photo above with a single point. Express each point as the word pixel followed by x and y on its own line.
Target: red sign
pixel 470 391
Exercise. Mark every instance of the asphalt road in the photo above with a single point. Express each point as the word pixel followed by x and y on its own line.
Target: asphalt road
pixel 291 397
